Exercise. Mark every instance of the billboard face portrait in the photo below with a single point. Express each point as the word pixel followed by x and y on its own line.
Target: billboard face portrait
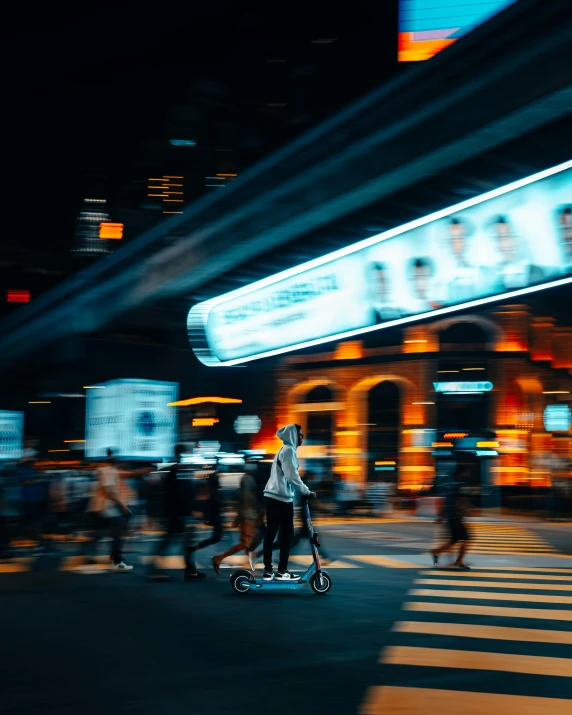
pixel 499 245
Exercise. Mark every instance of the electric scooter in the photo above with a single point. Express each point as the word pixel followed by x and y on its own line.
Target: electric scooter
pixel 243 581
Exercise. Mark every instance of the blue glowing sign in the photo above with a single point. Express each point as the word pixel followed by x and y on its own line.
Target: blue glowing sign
pixel 463 387
pixel 506 243
pixel 428 26
pixel 11 435
pixel 557 418
pixel 183 142
pixel 131 417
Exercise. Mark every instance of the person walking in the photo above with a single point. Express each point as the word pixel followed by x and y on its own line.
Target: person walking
pixel 106 511
pixel 212 513
pixel 248 519
pixel 279 501
pixel 453 511
pixel 178 503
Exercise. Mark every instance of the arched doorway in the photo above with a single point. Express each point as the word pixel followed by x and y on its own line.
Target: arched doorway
pixel 464 333
pixel 384 419
pixel 320 422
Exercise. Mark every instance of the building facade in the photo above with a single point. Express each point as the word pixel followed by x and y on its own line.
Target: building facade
pixel 397 410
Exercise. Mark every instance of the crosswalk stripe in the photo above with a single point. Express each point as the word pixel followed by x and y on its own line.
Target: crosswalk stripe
pixel 392 700
pixel 477 660
pixel 383 561
pixel 78 563
pixel 466 630
pixel 536 569
pixel 510 537
pixel 15 566
pixel 501 611
pixel 337 564
pixel 495 584
pixel 479 595
pixel 165 562
pixel 493 574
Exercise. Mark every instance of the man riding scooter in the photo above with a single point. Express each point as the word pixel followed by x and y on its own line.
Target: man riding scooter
pixel 279 501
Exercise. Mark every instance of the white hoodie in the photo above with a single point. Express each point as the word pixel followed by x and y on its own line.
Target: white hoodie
pixel 284 473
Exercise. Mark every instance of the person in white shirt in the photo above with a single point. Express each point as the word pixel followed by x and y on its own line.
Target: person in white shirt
pixel 380 294
pixel 566 223
pixel 106 511
pixel 467 280
pixel 513 271
pixel 279 501
pixel 421 273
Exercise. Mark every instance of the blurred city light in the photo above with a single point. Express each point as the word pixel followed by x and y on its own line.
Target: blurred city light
pixel 110 231
pixel 18 296
pixel 201 400
pixel 424 29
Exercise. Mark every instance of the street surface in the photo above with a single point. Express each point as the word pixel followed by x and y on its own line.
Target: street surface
pixel 394 635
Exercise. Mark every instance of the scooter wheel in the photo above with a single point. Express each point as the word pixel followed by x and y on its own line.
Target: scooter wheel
pixel 241 581
pixel 324 586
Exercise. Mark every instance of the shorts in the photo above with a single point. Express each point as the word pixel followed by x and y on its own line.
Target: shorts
pixel 457 530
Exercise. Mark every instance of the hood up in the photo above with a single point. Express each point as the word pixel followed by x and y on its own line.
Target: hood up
pixel 289 435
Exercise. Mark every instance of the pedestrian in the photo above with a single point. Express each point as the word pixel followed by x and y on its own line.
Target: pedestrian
pixel 212 513
pixel 34 502
pixel 179 504
pixel 106 512
pixel 453 511
pixel 248 519
pixel 279 501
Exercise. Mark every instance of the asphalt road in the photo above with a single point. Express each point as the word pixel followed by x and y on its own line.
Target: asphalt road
pixel 392 636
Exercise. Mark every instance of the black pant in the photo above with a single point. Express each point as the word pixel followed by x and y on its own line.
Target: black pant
pixel 99 525
pixel 279 515
pixel 215 518
pixel 303 531
pixel 176 526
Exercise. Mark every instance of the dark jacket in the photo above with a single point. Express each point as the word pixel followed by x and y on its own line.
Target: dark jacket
pixel 178 494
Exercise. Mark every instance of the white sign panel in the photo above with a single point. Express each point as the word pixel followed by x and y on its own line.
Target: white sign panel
pixel 131 417
pixel 557 418
pixel 503 244
pixel 11 435
pixel 463 386
pixel 247 424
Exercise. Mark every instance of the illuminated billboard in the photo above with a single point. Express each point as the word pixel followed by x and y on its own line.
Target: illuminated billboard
pixel 506 243
pixel 11 435
pixel 428 26
pixel 132 418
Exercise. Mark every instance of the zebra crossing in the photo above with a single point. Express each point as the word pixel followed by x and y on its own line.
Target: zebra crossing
pixel 523 628
pixel 490 565
pixel 502 538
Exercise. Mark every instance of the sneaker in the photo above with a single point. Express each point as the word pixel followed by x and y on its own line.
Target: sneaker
pixel 461 567
pixel 268 575
pixel 121 566
pixel 435 557
pixel 287 576
pixel 216 564
pixel 194 575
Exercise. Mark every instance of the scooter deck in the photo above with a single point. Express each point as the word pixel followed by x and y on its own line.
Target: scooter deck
pixel 275 585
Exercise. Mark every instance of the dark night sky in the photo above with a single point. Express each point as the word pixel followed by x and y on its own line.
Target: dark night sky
pixel 89 87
